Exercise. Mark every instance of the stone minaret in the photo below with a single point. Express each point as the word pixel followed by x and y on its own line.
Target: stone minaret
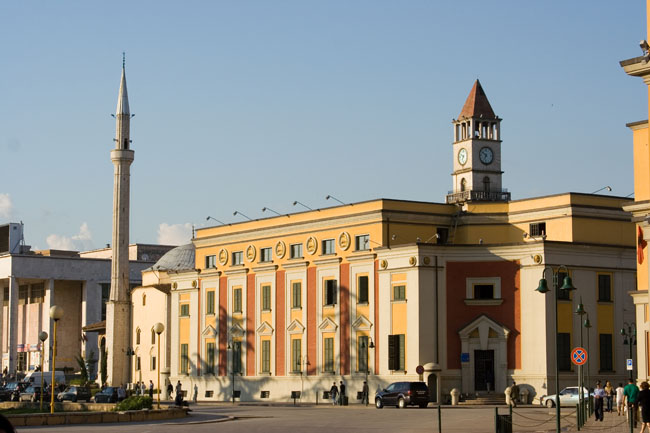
pixel 117 309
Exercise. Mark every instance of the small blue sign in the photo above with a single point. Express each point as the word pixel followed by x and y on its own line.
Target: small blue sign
pixel 464 357
pixel 630 365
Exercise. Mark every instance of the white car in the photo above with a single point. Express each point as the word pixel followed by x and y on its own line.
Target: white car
pixel 569 396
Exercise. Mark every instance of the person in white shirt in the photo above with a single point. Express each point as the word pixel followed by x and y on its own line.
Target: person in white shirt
pixel 619 399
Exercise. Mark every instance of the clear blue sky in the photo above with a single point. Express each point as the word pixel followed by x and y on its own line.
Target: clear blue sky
pixel 246 104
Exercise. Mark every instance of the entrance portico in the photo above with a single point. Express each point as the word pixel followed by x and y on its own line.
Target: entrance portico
pixel 484 355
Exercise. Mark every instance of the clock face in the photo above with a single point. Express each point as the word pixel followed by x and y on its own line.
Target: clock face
pixel 462 156
pixel 486 155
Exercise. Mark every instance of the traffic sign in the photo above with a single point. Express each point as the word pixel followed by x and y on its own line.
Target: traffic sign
pixel 579 356
pixel 630 365
pixel 419 369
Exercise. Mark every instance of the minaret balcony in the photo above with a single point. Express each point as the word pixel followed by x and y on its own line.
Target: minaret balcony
pixel 463 196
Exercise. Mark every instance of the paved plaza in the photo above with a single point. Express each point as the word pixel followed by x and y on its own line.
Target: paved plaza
pixel 359 419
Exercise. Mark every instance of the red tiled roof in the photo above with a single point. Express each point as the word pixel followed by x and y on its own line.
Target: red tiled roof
pixel 477 104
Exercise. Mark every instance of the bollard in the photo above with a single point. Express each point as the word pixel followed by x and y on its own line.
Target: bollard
pixel 455 394
pixel 578 417
pixel 439 420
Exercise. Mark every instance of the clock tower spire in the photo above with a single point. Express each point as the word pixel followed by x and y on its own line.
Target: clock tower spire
pixel 477 152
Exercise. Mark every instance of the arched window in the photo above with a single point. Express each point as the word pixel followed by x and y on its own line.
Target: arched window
pixel 137 336
pixel 153 337
pixel 486 184
pixel 144 299
pixel 463 184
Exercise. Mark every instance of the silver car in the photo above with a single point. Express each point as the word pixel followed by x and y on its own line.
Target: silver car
pixel 569 396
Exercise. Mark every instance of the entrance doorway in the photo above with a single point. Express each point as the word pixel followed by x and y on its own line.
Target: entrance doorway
pixel 484 370
pixel 432 384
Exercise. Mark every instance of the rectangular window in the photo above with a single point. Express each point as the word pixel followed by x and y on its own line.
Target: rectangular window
pixel 210 261
pixel 209 303
pixel 296 295
pixel 362 350
pixel 209 368
pixel 330 292
pixel 37 294
pixel 537 229
pixel 236 300
pixel 152 363
pixel 296 355
pixel 296 251
pixel 484 291
pixel 362 289
pixel 266 254
pixel 564 351
pixel 266 298
pixel 362 242
pixel 604 288
pixel 237 357
pixel 396 352
pixel 237 258
pixel 22 294
pixel 606 352
pixel 185 359
pixel 328 246
pixel 399 292
pixel 266 356
pixel 106 292
pixel 185 310
pixel 328 361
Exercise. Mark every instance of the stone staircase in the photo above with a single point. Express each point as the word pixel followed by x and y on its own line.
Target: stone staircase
pixel 485 399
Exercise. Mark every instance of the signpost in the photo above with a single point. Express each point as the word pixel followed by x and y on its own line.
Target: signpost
pixel 579 357
pixel 630 365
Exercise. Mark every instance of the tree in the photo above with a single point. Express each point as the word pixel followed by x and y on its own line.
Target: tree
pixel 104 367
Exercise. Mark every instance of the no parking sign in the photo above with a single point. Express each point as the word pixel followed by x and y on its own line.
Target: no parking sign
pixel 579 356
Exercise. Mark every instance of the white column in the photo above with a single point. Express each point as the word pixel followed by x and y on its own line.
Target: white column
pixel 13 323
pixel 47 323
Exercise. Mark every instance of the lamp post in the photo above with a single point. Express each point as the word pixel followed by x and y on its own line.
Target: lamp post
pixel 580 311
pixel 231 347
pixel 56 313
pixel 42 336
pixel 158 329
pixel 587 324
pixel 630 339
pixel 543 288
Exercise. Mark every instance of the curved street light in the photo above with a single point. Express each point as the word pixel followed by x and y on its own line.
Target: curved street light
pixel 56 314
pixel 42 336
pixel 158 329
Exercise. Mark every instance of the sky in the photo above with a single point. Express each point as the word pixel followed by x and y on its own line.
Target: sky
pixel 241 105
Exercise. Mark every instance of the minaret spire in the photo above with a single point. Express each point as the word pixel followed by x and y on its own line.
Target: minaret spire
pixel 118 306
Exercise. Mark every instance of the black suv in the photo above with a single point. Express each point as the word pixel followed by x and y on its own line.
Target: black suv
pixel 402 394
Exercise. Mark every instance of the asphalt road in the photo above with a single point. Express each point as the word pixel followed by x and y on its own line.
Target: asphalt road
pixel 326 419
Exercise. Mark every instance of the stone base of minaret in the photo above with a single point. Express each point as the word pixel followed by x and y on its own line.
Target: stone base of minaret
pixel 117 339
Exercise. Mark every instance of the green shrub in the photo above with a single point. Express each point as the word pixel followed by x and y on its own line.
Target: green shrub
pixel 136 402
pixel 77 382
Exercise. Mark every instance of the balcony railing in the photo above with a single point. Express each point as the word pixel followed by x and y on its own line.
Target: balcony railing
pixel 457 197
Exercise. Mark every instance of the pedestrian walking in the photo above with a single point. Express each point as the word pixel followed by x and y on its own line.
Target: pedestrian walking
pixel 137 388
pixel 365 392
pixel 609 396
pixel 334 393
pixel 599 399
pixel 170 390
pixel 196 393
pixel 342 394
pixel 643 400
pixel 179 394
pixel 631 392
pixel 150 388
pixel 619 399
pixel 121 393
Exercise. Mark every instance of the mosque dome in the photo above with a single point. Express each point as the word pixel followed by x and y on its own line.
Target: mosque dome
pixel 177 259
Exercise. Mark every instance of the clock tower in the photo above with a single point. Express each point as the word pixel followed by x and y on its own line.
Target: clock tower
pixel 477 152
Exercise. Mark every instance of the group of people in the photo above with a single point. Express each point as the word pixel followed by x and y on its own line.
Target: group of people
pixel 337 394
pixel 141 388
pixel 628 398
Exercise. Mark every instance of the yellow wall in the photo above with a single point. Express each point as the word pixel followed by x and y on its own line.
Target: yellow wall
pixel 641 163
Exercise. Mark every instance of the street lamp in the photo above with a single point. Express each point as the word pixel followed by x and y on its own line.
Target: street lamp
pixel 158 328
pixel 56 313
pixel 367 355
pixel 231 347
pixel 630 338
pixel 42 336
pixel 580 311
pixel 587 324
pixel 543 288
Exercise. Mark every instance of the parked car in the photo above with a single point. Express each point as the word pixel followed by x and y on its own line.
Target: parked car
pixel 106 395
pixel 74 393
pixel 402 394
pixel 33 393
pixel 569 396
pixel 11 391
